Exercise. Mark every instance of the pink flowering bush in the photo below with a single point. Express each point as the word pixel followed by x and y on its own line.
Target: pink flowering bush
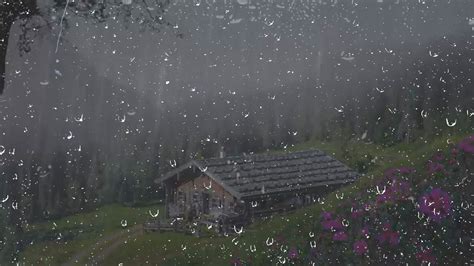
pixel 332 224
pixel 425 256
pixel 360 247
pixel 467 145
pixel 435 167
pixel 436 204
pixel 340 236
pixel 388 236
pixel 436 164
pixel 394 186
pixel 293 253
pixel 357 213
pixel 409 217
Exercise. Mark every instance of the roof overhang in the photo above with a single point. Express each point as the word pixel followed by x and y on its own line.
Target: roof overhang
pixel 201 168
pixel 174 172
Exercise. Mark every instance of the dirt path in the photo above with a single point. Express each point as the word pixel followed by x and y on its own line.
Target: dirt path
pixel 104 247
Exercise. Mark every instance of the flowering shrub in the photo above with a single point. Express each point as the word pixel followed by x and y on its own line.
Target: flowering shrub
pixel 425 256
pixel 435 164
pixel 293 253
pixel 360 247
pixel 388 236
pixel 332 224
pixel 436 204
pixel 394 186
pixel 340 236
pixel 435 167
pixel 467 145
pixel 365 231
pixel 356 213
pixel 393 224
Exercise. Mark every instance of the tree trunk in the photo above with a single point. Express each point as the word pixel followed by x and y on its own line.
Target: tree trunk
pixel 4 36
pixel 11 10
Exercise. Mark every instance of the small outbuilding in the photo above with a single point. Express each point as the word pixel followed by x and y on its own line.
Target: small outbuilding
pixel 249 186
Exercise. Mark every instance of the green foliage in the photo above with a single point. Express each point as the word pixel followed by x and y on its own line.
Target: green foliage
pixel 9 240
pixel 55 241
pixel 363 165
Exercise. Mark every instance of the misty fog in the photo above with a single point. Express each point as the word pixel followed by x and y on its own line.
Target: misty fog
pixel 95 111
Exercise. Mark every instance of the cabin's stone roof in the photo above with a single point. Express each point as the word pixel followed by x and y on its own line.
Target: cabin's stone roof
pixel 252 175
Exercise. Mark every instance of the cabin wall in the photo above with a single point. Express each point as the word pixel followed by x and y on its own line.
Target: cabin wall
pixel 193 197
pixel 203 195
pixel 280 202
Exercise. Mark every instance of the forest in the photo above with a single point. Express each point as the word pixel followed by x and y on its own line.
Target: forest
pixel 95 108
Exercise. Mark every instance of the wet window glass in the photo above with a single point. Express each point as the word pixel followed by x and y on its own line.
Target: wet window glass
pixel 241 132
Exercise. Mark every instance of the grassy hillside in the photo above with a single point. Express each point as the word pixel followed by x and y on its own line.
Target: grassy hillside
pixel 291 229
pixel 55 242
pixel 174 249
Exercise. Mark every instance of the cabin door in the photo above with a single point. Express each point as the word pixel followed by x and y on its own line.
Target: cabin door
pixel 205 203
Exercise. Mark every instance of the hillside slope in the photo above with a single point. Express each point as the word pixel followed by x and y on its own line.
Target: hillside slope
pixel 364 223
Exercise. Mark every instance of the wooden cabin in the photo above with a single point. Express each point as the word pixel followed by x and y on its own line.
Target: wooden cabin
pixel 251 185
